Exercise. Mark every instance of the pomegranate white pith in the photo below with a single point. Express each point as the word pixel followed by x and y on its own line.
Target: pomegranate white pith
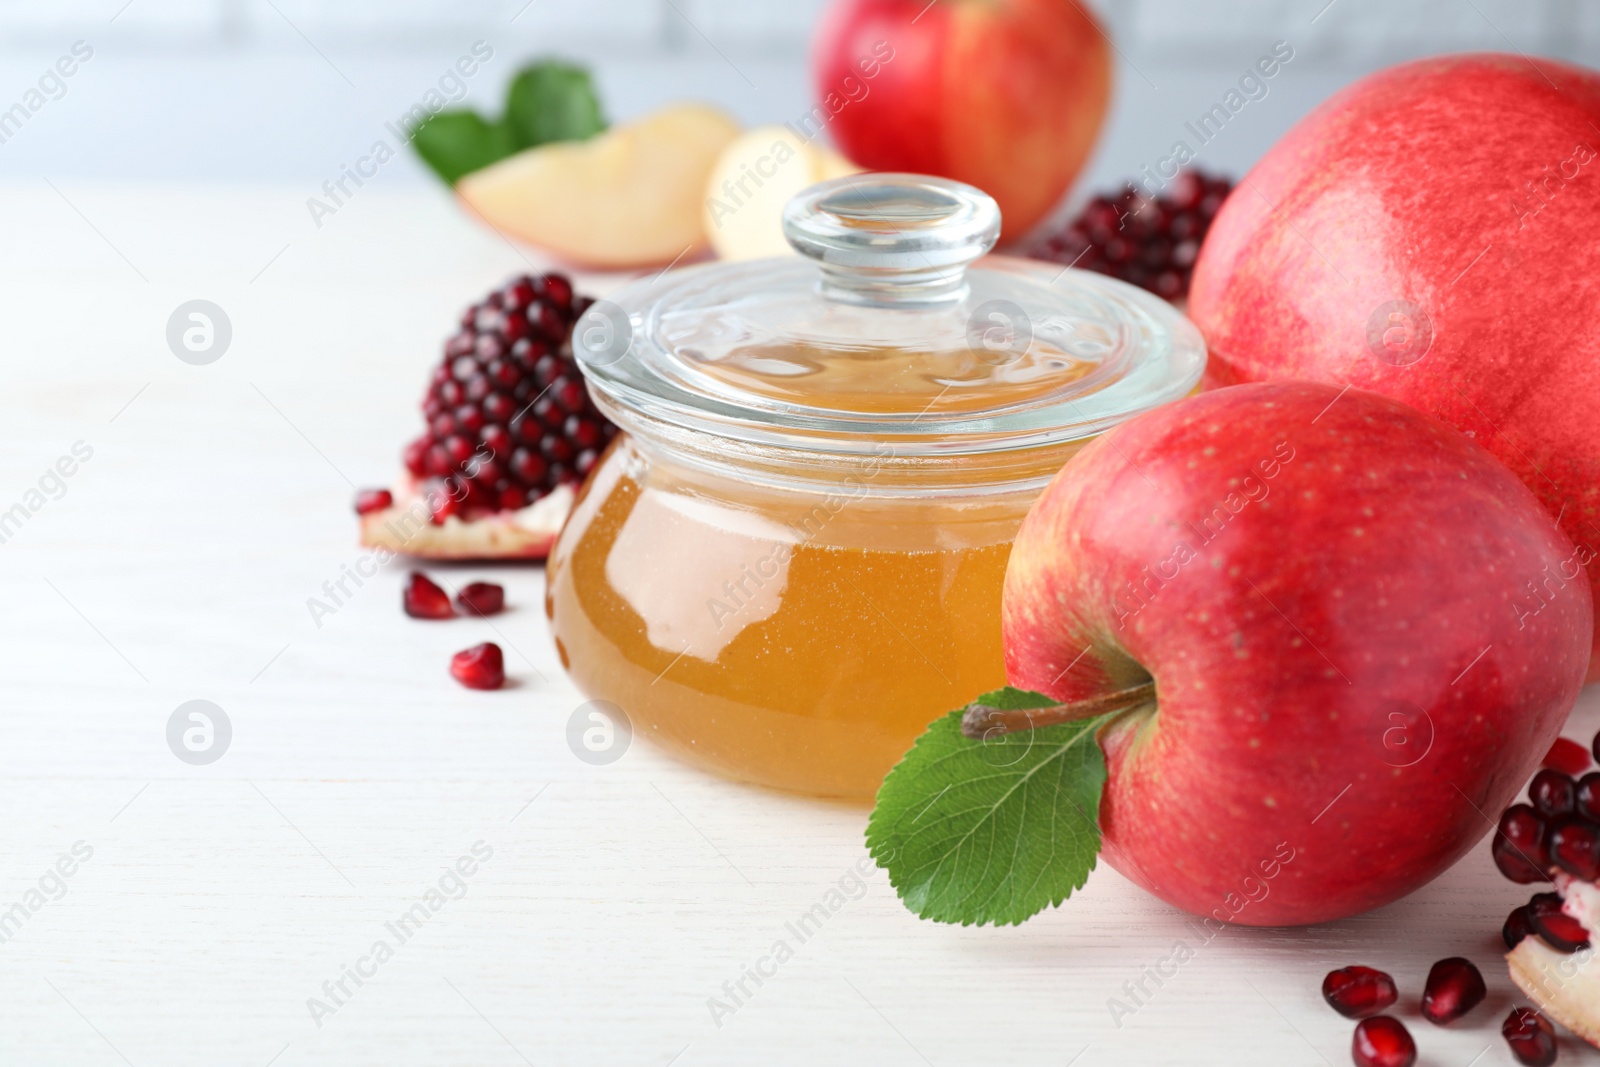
pixel 526 533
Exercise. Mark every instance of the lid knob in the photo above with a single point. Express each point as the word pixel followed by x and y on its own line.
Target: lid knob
pixel 885 239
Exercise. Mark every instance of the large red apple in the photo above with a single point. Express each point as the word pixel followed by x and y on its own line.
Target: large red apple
pixel 1007 95
pixel 1329 591
pixel 1433 233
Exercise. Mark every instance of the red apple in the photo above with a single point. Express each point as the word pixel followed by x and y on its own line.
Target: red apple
pixel 1429 233
pixel 1007 95
pixel 1328 589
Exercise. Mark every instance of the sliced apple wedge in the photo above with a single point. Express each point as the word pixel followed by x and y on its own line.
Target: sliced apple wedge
pixel 630 197
pixel 753 178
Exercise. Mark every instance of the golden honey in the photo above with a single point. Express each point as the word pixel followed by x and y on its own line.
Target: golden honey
pixel 801 647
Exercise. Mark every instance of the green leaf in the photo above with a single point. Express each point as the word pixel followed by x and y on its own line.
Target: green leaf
pixel 456 143
pixel 547 101
pixel 552 101
pixel 991 831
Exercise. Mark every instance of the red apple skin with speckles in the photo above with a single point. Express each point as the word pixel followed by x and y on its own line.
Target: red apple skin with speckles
pixel 1328 589
pixel 1469 187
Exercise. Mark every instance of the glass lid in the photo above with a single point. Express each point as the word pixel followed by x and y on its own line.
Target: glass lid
pixel 887 329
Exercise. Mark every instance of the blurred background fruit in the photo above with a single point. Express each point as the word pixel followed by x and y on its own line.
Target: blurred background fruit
pixel 752 180
pixel 630 197
pixel 1007 95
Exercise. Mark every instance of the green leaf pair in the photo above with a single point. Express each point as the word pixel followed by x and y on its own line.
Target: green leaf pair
pixel 548 101
pixel 994 830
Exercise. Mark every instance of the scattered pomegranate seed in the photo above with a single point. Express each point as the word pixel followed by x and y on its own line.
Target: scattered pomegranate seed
pixel 1455 986
pixel 368 500
pixel 1531 1037
pixel 1560 930
pixel 481 598
pixel 1594 747
pixel 1356 992
pixel 479 667
pixel 1383 1041
pixel 1553 793
pixel 1588 804
pixel 1575 847
pixel 1149 241
pixel 1567 756
pixel 1518 925
pixel 424 600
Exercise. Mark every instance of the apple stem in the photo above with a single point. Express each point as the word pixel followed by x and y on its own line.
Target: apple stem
pixel 982 721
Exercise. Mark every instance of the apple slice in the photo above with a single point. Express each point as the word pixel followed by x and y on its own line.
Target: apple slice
pixel 751 182
pixel 404 528
pixel 630 197
pixel 1565 986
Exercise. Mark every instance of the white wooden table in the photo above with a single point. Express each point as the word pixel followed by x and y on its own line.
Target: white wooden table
pixel 617 901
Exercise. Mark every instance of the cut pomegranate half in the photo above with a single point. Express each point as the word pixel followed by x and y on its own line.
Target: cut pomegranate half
pixel 1148 240
pixel 526 533
pixel 510 431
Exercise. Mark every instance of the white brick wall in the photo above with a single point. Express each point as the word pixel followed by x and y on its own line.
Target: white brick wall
pixel 1356 30
pixel 1346 30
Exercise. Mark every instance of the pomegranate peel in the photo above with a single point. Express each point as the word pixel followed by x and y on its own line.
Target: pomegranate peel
pixel 526 533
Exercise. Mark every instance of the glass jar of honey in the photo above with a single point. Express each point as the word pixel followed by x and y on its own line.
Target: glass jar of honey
pixel 791 560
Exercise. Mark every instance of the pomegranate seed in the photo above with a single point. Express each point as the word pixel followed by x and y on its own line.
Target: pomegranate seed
pixel 1560 930
pixel 416 456
pixel 1146 241
pixel 515 327
pixel 1553 793
pixel 551 320
pixel 1531 1037
pixel 1356 992
pixel 1455 986
pixel 557 449
pixel 1567 756
pixel 370 500
pixel 1518 926
pixel 1519 845
pixel 1588 797
pixel 479 667
pixel 1575 847
pixel 496 440
pixel 518 292
pixel 1525 828
pixel 1594 747
pixel 1517 865
pixel 424 600
pixel 558 290
pixel 529 467
pixel 1383 1041
pixel 481 598
pixel 446 501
